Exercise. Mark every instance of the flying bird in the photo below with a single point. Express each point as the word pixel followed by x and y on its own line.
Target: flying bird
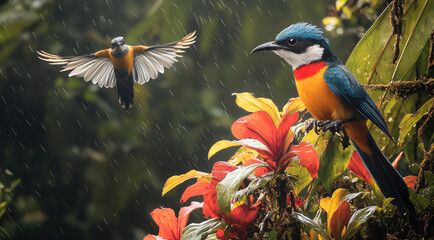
pixel 330 92
pixel 122 65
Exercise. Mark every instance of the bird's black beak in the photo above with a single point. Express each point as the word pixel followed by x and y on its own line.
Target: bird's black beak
pixel 267 46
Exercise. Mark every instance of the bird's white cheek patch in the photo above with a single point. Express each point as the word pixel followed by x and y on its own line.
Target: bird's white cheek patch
pixel 312 53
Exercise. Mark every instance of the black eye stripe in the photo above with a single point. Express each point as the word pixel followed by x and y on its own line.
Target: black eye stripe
pixel 301 45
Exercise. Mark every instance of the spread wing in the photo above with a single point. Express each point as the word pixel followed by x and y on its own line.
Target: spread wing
pixel 343 83
pixel 95 67
pixel 148 61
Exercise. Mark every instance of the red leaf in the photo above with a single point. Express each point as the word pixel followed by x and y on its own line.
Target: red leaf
pixel 219 172
pixel 284 129
pixel 170 227
pixel 210 206
pixel 221 234
pixel 199 188
pixel 259 126
pixel 167 223
pixel 308 157
pixel 395 163
pixel 357 167
pixel 340 218
pixel 298 201
pixel 410 180
pixel 184 213
pixel 260 170
pixel 243 214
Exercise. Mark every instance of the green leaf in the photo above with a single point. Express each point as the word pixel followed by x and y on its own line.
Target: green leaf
pixel 14 184
pixel 417 26
pixel 312 224
pixel 227 188
pixel 2 208
pixel 256 183
pixel 370 61
pixel 420 203
pixel 410 120
pixel 200 231
pixel 301 174
pixel 351 196
pixel 333 158
pixel 272 235
pixel 387 202
pixel 357 219
pixel 5 232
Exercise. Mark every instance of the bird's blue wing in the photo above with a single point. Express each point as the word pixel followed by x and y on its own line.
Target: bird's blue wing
pixel 343 83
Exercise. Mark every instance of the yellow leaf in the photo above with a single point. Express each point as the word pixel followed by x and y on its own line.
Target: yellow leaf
pixel 293 105
pixel 242 155
pixel 347 11
pixel 320 237
pixel 220 145
pixel 178 179
pixel 335 21
pixel 206 178
pixel 340 4
pixel 330 205
pixel 249 103
pixel 242 201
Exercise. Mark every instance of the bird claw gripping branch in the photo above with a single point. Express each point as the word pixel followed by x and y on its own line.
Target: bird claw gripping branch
pixel 335 126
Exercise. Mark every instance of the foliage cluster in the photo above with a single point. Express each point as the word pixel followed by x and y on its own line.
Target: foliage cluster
pixel 277 193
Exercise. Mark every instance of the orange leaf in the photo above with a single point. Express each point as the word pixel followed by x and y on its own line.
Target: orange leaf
pixel 395 163
pixel 167 223
pixel 410 181
pixel 199 188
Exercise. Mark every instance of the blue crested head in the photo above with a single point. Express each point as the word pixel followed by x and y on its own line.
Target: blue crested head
pixel 301 44
pixel 301 30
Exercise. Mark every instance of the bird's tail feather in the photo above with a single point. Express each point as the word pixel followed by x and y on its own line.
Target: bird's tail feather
pixel 385 175
pixel 126 93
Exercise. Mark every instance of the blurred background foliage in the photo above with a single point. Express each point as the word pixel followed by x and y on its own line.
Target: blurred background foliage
pixel 91 170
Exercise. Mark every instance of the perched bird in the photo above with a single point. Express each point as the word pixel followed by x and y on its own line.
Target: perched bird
pixel 122 65
pixel 331 93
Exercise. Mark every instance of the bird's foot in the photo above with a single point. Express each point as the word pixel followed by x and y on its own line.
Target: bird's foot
pixel 335 126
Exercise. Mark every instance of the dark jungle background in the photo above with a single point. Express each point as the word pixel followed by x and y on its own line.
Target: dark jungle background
pixel 88 168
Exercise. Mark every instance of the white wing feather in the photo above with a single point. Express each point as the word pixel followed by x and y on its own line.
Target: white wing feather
pixel 152 61
pixel 93 69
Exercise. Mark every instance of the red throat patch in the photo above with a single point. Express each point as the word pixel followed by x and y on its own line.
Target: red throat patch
pixel 308 70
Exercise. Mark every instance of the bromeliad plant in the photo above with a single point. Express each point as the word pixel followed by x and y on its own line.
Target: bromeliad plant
pixel 257 188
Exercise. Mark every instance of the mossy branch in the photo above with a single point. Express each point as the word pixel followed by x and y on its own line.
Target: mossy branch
pixel 405 88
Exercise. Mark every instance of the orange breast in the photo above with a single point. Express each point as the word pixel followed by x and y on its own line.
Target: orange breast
pixel 124 62
pixel 319 100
